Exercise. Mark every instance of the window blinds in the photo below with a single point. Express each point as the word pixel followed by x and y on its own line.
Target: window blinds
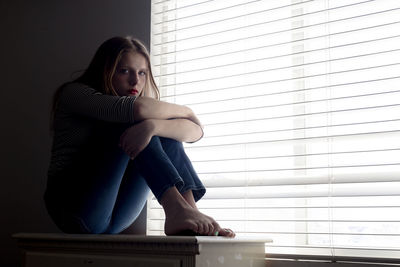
pixel 300 100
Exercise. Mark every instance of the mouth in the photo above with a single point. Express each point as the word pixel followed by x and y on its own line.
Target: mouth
pixel 133 92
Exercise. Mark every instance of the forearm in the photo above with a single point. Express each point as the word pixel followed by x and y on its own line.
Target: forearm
pixel 138 136
pixel 149 108
pixel 182 130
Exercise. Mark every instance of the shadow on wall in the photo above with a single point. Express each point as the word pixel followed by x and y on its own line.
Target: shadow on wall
pixel 43 43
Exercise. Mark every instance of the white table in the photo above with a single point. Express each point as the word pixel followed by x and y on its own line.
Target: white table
pixel 65 250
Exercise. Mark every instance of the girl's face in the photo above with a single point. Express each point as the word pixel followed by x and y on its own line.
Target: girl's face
pixel 130 75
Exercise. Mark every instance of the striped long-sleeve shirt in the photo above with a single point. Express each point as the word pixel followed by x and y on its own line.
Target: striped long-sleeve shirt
pixel 79 108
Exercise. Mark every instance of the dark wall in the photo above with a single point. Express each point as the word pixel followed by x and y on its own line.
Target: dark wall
pixel 42 43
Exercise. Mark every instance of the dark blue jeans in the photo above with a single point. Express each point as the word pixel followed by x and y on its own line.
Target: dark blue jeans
pixel 104 191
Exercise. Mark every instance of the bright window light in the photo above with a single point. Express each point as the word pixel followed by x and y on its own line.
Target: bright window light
pixel 301 106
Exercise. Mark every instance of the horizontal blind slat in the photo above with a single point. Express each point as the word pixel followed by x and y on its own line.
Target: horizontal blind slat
pixel 178 8
pixel 294 41
pixel 301 102
pixel 274 21
pixel 284 30
pixel 212 11
pixel 283 92
pixel 351 248
pixel 298 207
pixel 309 220
pixel 303 115
pixel 304 168
pixel 281 80
pixel 289 66
pixel 344 259
pixel 301 128
pixel 296 155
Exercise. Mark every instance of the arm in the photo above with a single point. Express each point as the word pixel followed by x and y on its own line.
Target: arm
pixel 182 130
pixel 169 120
pixel 149 108
pixel 82 100
pixel 138 136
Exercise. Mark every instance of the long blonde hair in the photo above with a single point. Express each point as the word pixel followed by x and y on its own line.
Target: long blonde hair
pixel 102 68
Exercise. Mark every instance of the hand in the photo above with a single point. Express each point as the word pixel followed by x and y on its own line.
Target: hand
pixel 136 138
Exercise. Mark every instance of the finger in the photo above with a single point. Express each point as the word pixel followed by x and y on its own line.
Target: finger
pixel 137 151
pixel 122 138
pixel 129 150
pixel 133 153
pixel 125 144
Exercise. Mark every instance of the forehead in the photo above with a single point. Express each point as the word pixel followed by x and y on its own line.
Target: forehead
pixel 133 59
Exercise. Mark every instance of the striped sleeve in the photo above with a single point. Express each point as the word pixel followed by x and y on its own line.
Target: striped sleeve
pixel 79 99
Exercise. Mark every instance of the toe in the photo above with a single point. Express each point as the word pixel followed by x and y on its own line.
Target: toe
pixel 212 230
pixel 227 232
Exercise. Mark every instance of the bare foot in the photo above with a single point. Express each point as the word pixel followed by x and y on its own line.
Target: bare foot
pixel 188 196
pixel 181 216
pixel 191 219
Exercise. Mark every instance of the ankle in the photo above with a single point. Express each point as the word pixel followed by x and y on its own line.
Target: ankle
pixel 173 202
pixel 188 196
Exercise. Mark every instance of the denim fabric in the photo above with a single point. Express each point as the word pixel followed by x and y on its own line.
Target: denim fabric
pixel 104 191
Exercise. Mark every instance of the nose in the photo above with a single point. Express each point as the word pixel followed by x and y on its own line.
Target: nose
pixel 133 79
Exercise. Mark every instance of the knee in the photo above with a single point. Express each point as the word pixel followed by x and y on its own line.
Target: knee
pixel 154 144
pixel 169 143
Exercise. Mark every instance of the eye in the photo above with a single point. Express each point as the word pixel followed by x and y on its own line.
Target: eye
pixel 123 71
pixel 142 73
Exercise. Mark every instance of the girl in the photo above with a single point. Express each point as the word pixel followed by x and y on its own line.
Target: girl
pixel 114 140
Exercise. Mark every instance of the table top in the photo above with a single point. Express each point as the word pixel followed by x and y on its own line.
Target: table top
pixel 121 238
